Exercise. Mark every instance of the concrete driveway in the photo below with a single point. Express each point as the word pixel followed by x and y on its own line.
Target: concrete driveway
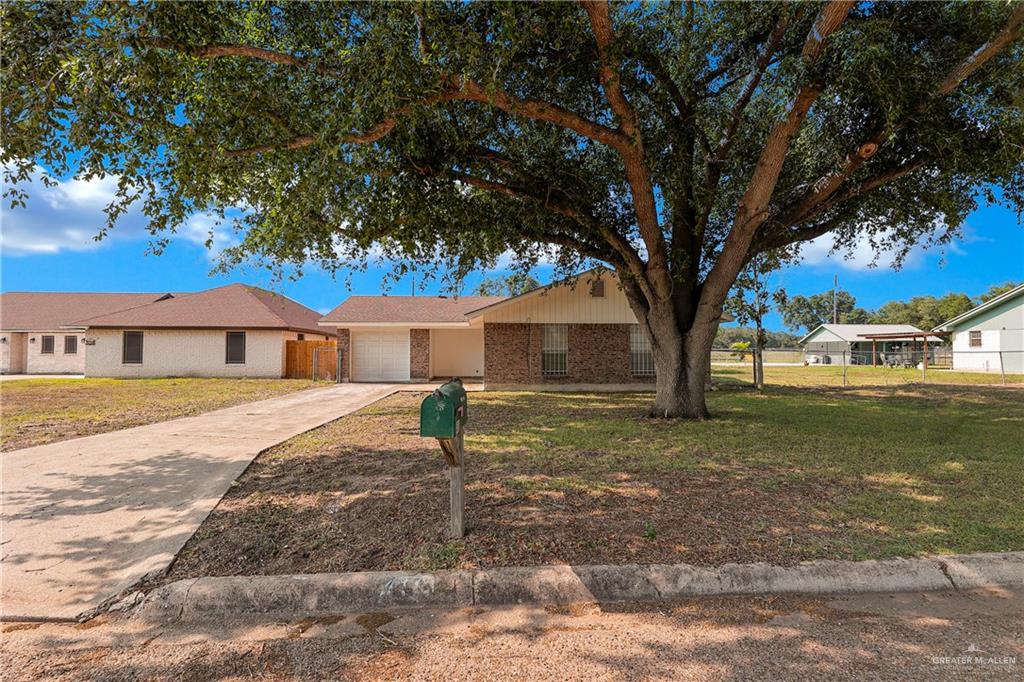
pixel 84 519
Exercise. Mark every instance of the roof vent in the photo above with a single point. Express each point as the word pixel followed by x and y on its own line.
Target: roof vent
pixel 597 288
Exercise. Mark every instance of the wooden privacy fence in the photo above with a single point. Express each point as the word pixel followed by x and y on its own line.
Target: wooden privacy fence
pixel 302 356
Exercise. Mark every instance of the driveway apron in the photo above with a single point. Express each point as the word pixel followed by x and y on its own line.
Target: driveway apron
pixel 84 519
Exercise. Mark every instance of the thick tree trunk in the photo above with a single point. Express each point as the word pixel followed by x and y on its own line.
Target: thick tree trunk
pixel 682 360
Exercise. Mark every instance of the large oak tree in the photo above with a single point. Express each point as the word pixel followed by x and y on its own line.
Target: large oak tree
pixel 669 141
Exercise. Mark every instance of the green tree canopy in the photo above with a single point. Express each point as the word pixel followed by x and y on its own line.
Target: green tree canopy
pixel 923 312
pixel 997 290
pixel 509 285
pixel 670 141
pixel 807 312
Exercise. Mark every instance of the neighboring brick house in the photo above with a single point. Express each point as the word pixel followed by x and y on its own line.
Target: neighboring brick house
pixel 230 331
pixel 37 334
pixel 579 333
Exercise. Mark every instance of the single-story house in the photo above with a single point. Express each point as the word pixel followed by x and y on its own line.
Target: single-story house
pixel 990 337
pixel 578 333
pixel 36 331
pixel 833 344
pixel 229 331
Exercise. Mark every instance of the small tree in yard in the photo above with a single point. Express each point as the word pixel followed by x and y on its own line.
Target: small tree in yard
pixel 671 142
pixel 749 303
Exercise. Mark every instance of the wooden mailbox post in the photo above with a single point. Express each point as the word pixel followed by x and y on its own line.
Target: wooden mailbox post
pixel 443 415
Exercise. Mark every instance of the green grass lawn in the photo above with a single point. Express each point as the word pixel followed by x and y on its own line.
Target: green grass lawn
pixel 38 411
pixel 857 375
pixel 792 474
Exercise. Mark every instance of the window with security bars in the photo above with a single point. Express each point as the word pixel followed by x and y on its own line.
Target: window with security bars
pixel 554 349
pixel 641 360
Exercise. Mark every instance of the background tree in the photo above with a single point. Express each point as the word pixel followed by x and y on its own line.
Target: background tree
pixel 807 312
pixel 923 312
pixel 726 336
pixel 672 142
pixel 509 285
pixel 996 290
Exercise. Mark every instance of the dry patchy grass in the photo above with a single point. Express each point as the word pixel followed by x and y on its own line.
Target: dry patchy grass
pixel 39 411
pixel 789 475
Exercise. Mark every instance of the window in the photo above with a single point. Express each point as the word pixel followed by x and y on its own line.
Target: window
pixel 47 345
pixel 641 360
pixel 235 348
pixel 70 345
pixel 975 339
pixel 131 348
pixel 597 288
pixel 302 337
pixel 554 349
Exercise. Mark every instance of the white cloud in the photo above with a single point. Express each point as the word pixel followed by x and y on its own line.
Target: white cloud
pixel 203 228
pixel 68 215
pixel 861 257
pixel 63 217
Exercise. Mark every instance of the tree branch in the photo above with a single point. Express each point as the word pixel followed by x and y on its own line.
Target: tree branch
pixel 1011 30
pixel 713 174
pixel 633 155
pixel 753 207
pixel 780 234
pixel 824 187
pixel 221 50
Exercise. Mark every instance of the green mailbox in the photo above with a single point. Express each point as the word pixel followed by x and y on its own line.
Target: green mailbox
pixel 443 413
pixel 443 416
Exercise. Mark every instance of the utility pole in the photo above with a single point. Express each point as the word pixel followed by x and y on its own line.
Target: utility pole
pixel 835 299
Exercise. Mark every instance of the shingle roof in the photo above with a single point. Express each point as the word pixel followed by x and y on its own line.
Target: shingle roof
pixel 235 306
pixel 48 310
pixel 402 309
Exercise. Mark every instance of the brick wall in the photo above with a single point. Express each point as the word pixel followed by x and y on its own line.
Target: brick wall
pixel 57 362
pixel 344 343
pixel 419 354
pixel 598 354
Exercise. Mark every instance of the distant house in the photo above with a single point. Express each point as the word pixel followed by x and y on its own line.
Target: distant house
pixel 828 343
pixel 990 337
pixel 230 331
pixel 36 331
pixel 576 333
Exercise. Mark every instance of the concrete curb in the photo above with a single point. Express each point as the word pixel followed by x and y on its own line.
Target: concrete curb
pixel 330 593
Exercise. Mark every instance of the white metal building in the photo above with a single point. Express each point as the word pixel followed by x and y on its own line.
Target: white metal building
pixel 990 337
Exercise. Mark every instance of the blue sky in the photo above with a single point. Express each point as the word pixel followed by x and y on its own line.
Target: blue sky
pixel 48 246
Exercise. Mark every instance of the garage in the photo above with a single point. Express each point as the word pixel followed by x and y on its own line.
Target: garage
pixel 380 355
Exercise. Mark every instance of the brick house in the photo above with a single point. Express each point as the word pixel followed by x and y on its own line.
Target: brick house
pixel 579 333
pixel 37 330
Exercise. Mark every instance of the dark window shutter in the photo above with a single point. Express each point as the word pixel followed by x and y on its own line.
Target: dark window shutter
pixel 235 354
pixel 131 348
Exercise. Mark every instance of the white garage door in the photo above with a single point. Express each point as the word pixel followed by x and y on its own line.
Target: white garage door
pixel 380 356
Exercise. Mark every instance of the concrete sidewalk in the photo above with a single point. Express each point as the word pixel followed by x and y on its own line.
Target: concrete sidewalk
pixel 86 518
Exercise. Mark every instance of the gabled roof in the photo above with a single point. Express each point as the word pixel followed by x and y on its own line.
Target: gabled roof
pixel 853 332
pixel 235 306
pixel 508 300
pixel 950 325
pixel 595 273
pixel 368 310
pixel 51 310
